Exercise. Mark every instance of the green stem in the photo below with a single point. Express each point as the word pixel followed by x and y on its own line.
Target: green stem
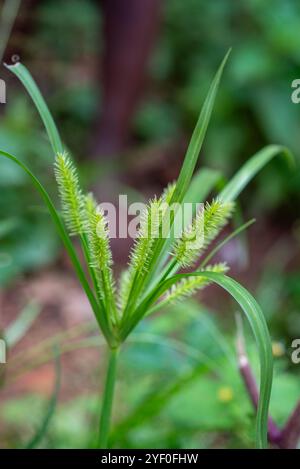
pixel 108 399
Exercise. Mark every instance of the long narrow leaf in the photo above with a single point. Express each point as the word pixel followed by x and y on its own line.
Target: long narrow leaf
pixel 189 165
pixel 25 77
pixel 197 139
pixel 250 169
pixel 258 325
pixel 204 180
pixel 244 176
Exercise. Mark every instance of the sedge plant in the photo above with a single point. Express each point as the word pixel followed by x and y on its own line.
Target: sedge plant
pixel 153 278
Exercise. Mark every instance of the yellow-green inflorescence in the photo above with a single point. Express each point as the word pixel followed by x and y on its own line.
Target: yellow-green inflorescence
pixel 70 193
pixel 97 233
pixel 204 228
pixel 186 287
pixel 84 218
pixel 141 252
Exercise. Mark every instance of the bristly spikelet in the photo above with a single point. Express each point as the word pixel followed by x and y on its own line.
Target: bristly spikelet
pixel 168 192
pixel 216 216
pixel 204 228
pixel 147 234
pixel 150 230
pixel 123 290
pixel 188 246
pixel 141 252
pixel 96 229
pixel 90 209
pixel 190 285
pixel 70 193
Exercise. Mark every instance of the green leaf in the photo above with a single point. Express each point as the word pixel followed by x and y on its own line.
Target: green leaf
pixel 189 165
pixel 25 77
pixel 258 325
pixel 197 139
pixel 250 169
pixel 187 170
pixel 99 313
pixel 204 180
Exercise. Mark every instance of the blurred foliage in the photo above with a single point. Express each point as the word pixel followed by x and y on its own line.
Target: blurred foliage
pixel 254 106
pixel 255 99
pixel 27 239
pixel 178 387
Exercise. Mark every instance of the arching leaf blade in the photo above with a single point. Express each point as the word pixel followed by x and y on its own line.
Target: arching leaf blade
pixel 257 323
pixel 247 172
pixel 29 83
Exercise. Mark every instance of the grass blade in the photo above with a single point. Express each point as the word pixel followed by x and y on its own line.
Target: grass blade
pixel 197 139
pixel 204 180
pixel 250 169
pixel 258 325
pixel 25 77
pixel 189 165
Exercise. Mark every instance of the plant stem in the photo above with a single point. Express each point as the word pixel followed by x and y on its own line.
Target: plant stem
pixel 108 399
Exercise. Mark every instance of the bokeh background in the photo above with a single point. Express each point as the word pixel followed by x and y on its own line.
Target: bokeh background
pixel 178 381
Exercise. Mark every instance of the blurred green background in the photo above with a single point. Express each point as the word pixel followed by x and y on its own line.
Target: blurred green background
pixel 181 388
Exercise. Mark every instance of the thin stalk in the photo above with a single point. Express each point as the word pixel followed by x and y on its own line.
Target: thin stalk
pixel 170 269
pixel 108 399
pixel 228 238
